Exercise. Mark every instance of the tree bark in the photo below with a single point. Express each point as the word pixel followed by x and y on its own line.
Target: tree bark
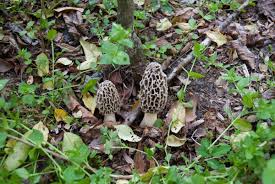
pixel 125 13
pixel 125 17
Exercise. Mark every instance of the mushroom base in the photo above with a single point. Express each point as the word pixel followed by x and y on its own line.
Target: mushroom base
pixel 110 117
pixel 148 120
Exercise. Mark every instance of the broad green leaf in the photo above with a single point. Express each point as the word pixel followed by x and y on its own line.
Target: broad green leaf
pixel 174 141
pixel 79 154
pixel 203 149
pixel 192 24
pixel 195 75
pixel 70 141
pixel 42 63
pixel 43 129
pixel 242 124
pixel 36 137
pixel 90 86
pixel 122 58
pixel 106 59
pixel 72 173
pixel 215 164
pixel 28 100
pixel 51 34
pixel 268 176
pixel 220 150
pixel 3 137
pixel 3 83
pixel 18 156
pixel 109 48
pixel 126 133
pixel 118 33
pixel 22 173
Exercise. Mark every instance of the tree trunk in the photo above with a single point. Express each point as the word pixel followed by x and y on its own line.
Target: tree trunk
pixel 125 13
pixel 125 17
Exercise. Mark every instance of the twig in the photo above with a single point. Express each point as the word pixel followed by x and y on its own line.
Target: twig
pixel 181 62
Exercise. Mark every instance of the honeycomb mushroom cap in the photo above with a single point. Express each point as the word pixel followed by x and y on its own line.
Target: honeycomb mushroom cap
pixel 107 98
pixel 153 89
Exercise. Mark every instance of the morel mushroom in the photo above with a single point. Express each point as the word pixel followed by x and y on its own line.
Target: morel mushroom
pixel 107 101
pixel 153 93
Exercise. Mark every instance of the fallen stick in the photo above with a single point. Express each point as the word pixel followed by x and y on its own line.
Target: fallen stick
pixel 181 62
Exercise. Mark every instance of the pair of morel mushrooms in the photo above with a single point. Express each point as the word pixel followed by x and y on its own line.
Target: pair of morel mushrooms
pixel 153 95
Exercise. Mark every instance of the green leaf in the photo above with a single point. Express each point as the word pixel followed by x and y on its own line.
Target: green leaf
pixel 90 86
pixel 36 136
pixel 22 173
pixel 203 149
pixel 25 88
pixel 108 47
pixel 3 83
pixel 243 82
pixel 79 154
pixel 3 137
pixel 28 100
pixel 215 164
pixel 248 99
pixel 268 176
pixel 51 34
pixel 42 63
pixel 192 23
pixel 220 150
pixel 242 124
pixel 197 179
pixel 118 33
pixel 195 75
pixel 72 173
pixel 106 59
pixel 122 58
pixel 71 141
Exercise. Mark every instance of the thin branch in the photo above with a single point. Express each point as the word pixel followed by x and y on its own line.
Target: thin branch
pixel 181 62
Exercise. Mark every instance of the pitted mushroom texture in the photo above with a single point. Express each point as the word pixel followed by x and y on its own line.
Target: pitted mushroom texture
pixel 153 89
pixel 107 98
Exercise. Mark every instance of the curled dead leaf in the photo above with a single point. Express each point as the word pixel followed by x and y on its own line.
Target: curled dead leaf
pixel 244 53
pixel 217 37
pixel 174 141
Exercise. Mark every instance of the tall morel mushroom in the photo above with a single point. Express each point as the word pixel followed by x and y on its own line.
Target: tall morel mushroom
pixel 107 101
pixel 153 93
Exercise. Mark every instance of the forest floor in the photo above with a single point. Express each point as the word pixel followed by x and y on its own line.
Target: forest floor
pixel 218 125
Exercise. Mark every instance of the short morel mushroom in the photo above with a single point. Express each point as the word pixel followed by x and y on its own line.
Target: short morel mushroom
pixel 107 101
pixel 153 93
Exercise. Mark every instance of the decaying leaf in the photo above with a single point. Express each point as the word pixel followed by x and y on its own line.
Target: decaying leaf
pixel 64 61
pixel 190 113
pixel 72 104
pixel 153 171
pixel 49 85
pixel 177 116
pixel 184 26
pixel 267 7
pixel 217 37
pixel 89 101
pixel 126 133
pixel 174 141
pixel 91 52
pixel 42 63
pixel 183 15
pixel 163 25
pixel 60 114
pixel 244 53
pixel 4 66
pixel 269 94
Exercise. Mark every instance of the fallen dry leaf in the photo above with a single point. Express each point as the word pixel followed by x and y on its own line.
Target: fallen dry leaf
pixel 163 25
pixel 140 163
pixel 183 15
pixel 244 53
pixel 4 66
pixel 64 61
pixel 176 115
pixel 217 37
pixel 267 7
pixel 91 52
pixel 269 94
pixel 89 101
pixel 60 114
pixel 191 112
pixel 174 141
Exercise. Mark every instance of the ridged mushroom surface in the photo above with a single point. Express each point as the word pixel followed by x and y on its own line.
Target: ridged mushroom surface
pixel 153 89
pixel 107 100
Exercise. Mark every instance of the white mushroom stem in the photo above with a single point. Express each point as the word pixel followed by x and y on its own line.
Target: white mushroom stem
pixel 110 117
pixel 149 120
